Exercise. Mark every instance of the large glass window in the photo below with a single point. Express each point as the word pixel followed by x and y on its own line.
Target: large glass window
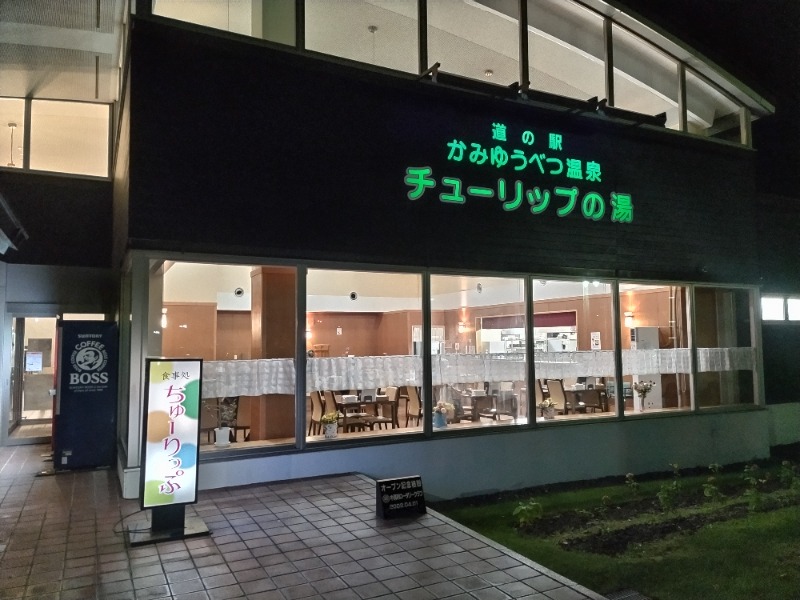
pixel 565 49
pixel 374 32
pixel 725 352
pixel 573 339
pixel 475 41
pixel 478 351
pixel 12 124
pixel 772 308
pixel 709 112
pixel 645 79
pixel 241 320
pixel 364 366
pixel 272 20
pixel 70 137
pixel 656 360
pixel 793 309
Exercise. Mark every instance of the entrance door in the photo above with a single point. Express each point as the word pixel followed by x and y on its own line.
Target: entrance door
pixel 32 379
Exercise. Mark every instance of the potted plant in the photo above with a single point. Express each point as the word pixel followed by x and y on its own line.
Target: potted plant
pixel 642 388
pixel 547 408
pixel 441 412
pixel 225 412
pixel 330 424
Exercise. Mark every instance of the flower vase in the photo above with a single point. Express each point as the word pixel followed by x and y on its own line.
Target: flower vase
pixel 439 420
pixel 223 437
pixel 331 430
pixel 549 413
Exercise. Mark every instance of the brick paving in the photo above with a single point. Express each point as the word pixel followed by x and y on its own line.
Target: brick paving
pixel 62 538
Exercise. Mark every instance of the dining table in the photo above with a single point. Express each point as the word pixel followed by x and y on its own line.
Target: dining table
pixel 359 414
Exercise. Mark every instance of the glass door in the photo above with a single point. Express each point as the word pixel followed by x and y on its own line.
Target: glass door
pixel 33 379
pixel 17 351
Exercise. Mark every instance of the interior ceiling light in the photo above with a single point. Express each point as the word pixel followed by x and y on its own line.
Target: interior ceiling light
pixel 488 73
pixel 12 127
pixel 372 29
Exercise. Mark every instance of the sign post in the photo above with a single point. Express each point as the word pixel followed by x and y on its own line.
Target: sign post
pixel 170 450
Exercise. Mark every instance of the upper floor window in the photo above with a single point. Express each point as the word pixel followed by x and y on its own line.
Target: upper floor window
pixel 780 308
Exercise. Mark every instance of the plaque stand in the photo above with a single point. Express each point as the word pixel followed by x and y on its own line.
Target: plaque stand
pixel 167 523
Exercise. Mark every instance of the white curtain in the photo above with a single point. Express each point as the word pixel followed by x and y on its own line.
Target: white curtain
pixel 277 375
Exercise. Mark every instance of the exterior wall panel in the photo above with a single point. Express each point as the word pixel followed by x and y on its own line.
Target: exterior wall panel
pixel 261 152
pixel 68 219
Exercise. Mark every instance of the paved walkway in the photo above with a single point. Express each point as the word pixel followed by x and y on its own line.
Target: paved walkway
pixel 61 537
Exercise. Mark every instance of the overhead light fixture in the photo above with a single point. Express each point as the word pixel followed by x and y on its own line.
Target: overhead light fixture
pixel 628 319
pixel 12 127
pixel 488 73
pixel 372 29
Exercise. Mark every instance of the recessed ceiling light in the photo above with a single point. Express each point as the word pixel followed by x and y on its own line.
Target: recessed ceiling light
pixel 488 72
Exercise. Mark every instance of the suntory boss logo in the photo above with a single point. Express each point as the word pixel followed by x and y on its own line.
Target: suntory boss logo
pixel 88 359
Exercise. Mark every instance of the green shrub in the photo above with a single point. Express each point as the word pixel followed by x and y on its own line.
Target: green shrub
pixel 788 475
pixel 710 488
pixel 669 493
pixel 632 485
pixel 527 512
pixel 752 476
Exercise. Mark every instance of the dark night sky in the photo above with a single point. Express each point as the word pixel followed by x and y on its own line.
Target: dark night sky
pixel 759 43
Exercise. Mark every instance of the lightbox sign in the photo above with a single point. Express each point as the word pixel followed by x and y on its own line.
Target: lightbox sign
pixel 171 432
pixel 534 170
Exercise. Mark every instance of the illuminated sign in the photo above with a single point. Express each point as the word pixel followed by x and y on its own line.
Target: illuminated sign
pixel 541 178
pixel 171 432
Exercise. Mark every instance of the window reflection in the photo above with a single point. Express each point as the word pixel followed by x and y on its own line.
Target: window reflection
pixel 12 124
pixel 478 347
pixel 656 361
pixel 709 112
pixel 376 33
pixel 565 49
pixel 645 79
pixel 573 339
pixel 725 353
pixel 361 351
pixel 472 40
pixel 240 320
pixel 69 137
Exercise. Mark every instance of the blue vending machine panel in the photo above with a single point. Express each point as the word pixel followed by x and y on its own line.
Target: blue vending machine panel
pixel 85 418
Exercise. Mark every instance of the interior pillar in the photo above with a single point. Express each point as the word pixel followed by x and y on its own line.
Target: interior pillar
pixel 273 332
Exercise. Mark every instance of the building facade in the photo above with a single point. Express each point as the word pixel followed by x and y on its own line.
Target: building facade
pixel 317 205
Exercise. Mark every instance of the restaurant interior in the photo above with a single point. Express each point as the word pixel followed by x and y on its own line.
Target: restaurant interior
pixel 364 349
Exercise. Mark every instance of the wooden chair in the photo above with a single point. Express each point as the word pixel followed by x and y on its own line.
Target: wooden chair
pixel 556 390
pixel 329 402
pixel 380 419
pixel 413 405
pixel 314 425
pixel 539 392
pixel 591 400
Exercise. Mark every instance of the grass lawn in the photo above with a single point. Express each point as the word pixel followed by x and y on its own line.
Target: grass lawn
pixel 755 557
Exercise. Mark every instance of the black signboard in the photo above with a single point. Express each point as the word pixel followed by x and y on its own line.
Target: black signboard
pixel 399 497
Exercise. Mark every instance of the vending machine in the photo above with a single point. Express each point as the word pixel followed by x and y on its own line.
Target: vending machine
pixel 646 338
pixel 85 415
